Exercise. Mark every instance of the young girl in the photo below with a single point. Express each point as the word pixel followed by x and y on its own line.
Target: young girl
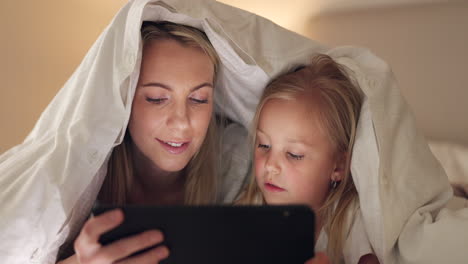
pixel 304 130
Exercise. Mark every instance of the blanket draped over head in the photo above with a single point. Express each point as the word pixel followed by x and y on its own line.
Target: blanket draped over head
pixel 51 177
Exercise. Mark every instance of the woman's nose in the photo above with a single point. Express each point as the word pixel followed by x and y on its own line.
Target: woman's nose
pixel 179 117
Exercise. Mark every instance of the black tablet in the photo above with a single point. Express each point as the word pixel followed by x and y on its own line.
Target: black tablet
pixel 223 234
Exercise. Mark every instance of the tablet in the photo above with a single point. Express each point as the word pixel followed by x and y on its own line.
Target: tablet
pixel 223 234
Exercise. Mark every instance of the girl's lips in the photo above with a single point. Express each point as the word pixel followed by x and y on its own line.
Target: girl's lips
pixel 273 188
pixel 174 148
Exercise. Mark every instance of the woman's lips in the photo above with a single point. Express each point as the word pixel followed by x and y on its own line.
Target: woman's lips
pixel 273 188
pixel 174 147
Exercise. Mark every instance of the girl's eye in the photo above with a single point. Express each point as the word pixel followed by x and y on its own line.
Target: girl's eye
pixel 156 100
pixel 294 156
pixel 199 101
pixel 263 146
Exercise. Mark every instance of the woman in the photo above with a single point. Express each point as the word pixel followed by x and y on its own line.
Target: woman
pixel 169 151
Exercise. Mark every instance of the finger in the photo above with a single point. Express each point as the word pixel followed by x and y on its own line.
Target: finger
pixel 87 242
pixel 152 256
pixel 98 225
pixel 127 246
pixel 320 258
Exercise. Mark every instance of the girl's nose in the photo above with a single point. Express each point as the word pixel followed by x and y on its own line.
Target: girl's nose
pixel 272 165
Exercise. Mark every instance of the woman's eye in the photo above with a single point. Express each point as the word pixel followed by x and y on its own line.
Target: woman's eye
pixel 199 101
pixel 263 146
pixel 156 100
pixel 294 156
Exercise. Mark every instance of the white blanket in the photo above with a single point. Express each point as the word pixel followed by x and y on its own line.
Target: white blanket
pixel 53 174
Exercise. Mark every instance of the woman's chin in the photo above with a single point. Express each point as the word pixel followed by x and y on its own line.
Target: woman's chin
pixel 171 164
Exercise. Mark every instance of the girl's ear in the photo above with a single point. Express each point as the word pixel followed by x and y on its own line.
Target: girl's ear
pixel 340 167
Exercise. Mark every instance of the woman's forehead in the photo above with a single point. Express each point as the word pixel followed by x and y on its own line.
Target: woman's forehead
pixel 170 63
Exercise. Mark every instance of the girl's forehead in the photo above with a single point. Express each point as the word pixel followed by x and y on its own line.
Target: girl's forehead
pixel 298 104
pixel 297 117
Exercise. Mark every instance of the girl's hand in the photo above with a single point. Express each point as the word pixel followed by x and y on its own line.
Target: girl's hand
pixel 320 258
pixel 89 250
pixel 369 259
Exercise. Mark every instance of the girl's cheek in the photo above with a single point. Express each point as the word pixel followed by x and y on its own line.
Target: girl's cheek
pixel 259 164
pixel 259 179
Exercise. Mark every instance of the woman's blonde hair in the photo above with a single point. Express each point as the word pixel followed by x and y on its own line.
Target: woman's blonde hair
pixel 340 107
pixel 200 184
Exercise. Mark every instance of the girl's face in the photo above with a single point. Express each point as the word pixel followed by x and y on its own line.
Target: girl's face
pixel 294 157
pixel 173 103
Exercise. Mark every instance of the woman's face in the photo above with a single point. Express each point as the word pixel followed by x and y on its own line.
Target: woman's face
pixel 173 103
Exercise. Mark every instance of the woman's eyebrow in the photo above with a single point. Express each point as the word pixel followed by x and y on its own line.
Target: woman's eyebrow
pixel 167 87
pixel 206 84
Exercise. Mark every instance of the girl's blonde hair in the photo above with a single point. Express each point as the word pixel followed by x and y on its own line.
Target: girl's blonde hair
pixel 200 184
pixel 340 107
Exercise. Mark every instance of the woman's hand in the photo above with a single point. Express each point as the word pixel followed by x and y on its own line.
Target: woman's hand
pixel 89 250
pixel 320 258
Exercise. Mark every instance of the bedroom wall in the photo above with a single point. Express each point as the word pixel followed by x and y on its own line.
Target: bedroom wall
pixel 41 44
pixel 44 41
pixel 427 48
